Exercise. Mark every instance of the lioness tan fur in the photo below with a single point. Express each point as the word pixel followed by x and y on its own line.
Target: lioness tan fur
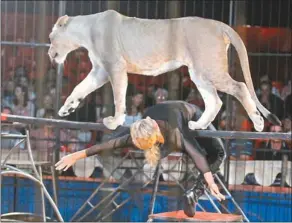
pixel 118 44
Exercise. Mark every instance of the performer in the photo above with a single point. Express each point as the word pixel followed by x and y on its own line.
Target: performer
pixel 164 129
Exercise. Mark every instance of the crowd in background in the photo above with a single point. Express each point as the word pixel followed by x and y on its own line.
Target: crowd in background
pixel 19 97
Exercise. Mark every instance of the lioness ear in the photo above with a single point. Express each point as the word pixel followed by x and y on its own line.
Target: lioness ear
pixel 62 20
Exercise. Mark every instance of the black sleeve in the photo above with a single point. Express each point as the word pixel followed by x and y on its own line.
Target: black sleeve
pixel 120 142
pixel 197 156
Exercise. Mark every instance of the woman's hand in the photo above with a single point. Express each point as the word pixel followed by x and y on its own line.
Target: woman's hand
pixel 213 187
pixel 215 192
pixel 69 160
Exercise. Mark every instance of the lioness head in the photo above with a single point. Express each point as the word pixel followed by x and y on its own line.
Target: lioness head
pixel 62 40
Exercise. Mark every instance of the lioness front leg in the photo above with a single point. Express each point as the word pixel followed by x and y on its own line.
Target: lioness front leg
pixel 119 82
pixel 95 79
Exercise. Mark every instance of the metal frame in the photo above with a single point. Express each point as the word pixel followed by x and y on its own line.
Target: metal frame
pixel 37 171
pixel 114 192
pixel 100 127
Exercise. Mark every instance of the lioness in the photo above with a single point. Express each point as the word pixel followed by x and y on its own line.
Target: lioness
pixel 118 44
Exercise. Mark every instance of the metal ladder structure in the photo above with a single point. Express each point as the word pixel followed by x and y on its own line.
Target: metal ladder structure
pixel 108 205
pixel 8 167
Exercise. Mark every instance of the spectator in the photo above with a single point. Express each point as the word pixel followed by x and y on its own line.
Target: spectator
pixel 287 105
pixel 160 95
pixel 21 103
pixel 9 129
pixel 274 90
pixel 47 104
pixel 23 81
pixel 241 149
pixel 287 128
pixel 8 94
pixel 195 98
pixel 20 72
pixel 43 138
pixel 286 90
pixel 270 101
pixel 149 99
pixel 274 149
pixel 85 113
pixel 134 108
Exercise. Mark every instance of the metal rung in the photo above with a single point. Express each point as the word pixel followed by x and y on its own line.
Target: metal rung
pixel 91 205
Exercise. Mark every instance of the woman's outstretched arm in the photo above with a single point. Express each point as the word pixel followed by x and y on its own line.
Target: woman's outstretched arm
pixel 71 159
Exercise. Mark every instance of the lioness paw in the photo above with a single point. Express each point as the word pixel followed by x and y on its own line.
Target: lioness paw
pixel 113 122
pixel 69 106
pixel 258 121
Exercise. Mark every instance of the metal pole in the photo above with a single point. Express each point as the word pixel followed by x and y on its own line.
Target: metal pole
pixel 56 155
pixel 97 126
pixel 155 187
pixel 228 103
pixel 31 44
pixel 284 169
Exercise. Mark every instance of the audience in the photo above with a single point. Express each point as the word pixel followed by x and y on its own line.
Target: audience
pixel 21 104
pixel 270 101
pixel 47 104
pixel 160 95
pixel 8 94
pixel 134 104
pixel 7 128
pixel 273 149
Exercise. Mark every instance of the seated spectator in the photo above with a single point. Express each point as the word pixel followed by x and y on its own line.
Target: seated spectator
pixel 8 94
pixel 195 98
pixel 43 138
pixel 287 105
pixel 134 104
pixel 160 95
pixel 47 104
pixel 21 103
pixel 9 129
pixel 286 90
pixel 274 90
pixel 287 128
pixel 273 103
pixel 274 149
pixel 149 99
pixel 85 113
pixel 241 149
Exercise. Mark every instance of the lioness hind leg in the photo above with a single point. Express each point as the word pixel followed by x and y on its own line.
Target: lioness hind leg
pixel 211 100
pixel 240 91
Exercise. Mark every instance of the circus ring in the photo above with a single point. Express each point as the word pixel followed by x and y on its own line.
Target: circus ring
pixel 111 196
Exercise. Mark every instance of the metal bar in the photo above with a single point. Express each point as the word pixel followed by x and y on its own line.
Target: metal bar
pixel 42 194
pixel 56 153
pixel 41 184
pixel 155 187
pixel 108 196
pixel 97 189
pixel 284 169
pixel 232 18
pixel 270 54
pixel 197 133
pixel 30 44
pixel 106 206
pixel 12 136
pixel 232 199
pixel 115 209
pixel 212 202
pixel 30 154
pixel 10 152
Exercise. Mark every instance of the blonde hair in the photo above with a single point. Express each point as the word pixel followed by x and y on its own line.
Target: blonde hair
pixel 146 135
